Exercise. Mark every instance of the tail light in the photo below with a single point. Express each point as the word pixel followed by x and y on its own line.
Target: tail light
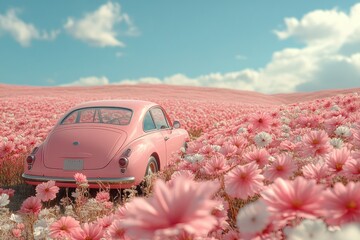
pixel 30 161
pixel 124 160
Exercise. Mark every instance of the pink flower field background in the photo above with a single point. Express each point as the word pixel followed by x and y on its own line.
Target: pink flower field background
pixel 283 166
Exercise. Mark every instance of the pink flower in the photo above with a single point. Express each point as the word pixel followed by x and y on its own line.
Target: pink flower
pixel 244 181
pixel 216 165
pixel 352 166
pixel 116 231
pixel 105 221
pixel 337 159
pixel 298 198
pixel 32 205
pixel 283 166
pixel 261 122
pixel 87 231
pixel 80 178
pixel 102 196
pixel 318 171
pixel 260 156
pixel 47 191
pixel 63 227
pixel 342 204
pixel 185 207
pixel 10 192
pixel 316 143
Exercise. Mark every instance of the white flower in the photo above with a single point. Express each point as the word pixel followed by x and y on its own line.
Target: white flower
pixel 349 231
pixel 337 143
pixel 4 200
pixel 285 120
pixel 335 108
pixel 253 218
pixel 285 128
pixel 343 131
pixel 263 139
pixel 194 158
pixel 198 157
pixel 41 230
pixel 216 147
pixel 308 229
pixel 16 218
pixel 241 130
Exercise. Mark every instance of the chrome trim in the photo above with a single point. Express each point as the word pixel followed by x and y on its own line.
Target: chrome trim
pixel 72 180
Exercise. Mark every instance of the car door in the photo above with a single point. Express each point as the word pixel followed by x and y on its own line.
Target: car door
pixel 171 139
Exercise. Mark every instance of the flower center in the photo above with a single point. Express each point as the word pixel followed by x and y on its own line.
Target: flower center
pixel 297 203
pixel 279 168
pixel 338 166
pixel 351 205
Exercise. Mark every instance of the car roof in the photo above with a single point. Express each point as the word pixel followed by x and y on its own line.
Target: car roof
pixel 131 104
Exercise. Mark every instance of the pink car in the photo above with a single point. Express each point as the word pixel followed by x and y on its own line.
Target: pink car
pixel 116 142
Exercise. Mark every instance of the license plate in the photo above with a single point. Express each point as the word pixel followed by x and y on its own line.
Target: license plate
pixel 73 164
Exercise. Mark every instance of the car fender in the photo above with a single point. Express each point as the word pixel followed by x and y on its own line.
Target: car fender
pixel 141 150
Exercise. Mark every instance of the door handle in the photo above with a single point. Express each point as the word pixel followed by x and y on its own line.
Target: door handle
pixel 166 138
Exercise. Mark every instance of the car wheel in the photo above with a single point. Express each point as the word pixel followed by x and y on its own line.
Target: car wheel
pixel 152 167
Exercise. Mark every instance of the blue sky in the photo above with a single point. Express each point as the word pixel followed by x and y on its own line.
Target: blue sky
pixel 265 46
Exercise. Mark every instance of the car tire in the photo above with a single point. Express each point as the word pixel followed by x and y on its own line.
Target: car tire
pixel 152 167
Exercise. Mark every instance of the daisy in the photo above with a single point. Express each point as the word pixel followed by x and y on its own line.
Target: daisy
pixel 283 166
pixel 64 227
pixel 308 229
pixel 102 196
pixel 46 191
pixel 337 159
pixel 4 200
pixel 87 231
pixel 260 156
pixel 80 178
pixel 343 132
pixel 184 207
pixel 298 198
pixel 216 165
pixel 116 231
pixel 253 218
pixel 316 143
pixel 261 121
pixel 244 181
pixel 337 143
pixel 262 139
pixel 342 203
pixel 32 205
pixel 318 171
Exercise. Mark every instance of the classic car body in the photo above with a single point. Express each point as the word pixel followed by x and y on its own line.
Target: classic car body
pixel 115 142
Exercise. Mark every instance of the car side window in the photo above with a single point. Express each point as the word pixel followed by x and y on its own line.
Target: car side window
pixel 148 122
pixel 159 118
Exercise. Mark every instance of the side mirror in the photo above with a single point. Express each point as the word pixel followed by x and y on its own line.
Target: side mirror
pixel 176 124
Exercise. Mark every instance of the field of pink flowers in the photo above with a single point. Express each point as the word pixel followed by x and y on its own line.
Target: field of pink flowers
pixel 257 167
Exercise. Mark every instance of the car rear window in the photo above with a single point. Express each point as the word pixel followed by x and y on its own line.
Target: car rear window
pixel 102 115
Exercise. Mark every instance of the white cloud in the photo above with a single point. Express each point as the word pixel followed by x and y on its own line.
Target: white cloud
pixel 98 28
pixel 330 58
pixel 21 31
pixel 89 81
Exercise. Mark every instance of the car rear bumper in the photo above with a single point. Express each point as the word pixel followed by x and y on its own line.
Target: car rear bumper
pixel 33 179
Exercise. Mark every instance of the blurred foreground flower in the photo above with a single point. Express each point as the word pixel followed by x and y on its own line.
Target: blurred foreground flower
pixel 290 199
pixel 253 218
pixel 184 207
pixel 308 229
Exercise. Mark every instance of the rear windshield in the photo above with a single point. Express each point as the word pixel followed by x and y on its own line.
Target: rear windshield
pixel 103 115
